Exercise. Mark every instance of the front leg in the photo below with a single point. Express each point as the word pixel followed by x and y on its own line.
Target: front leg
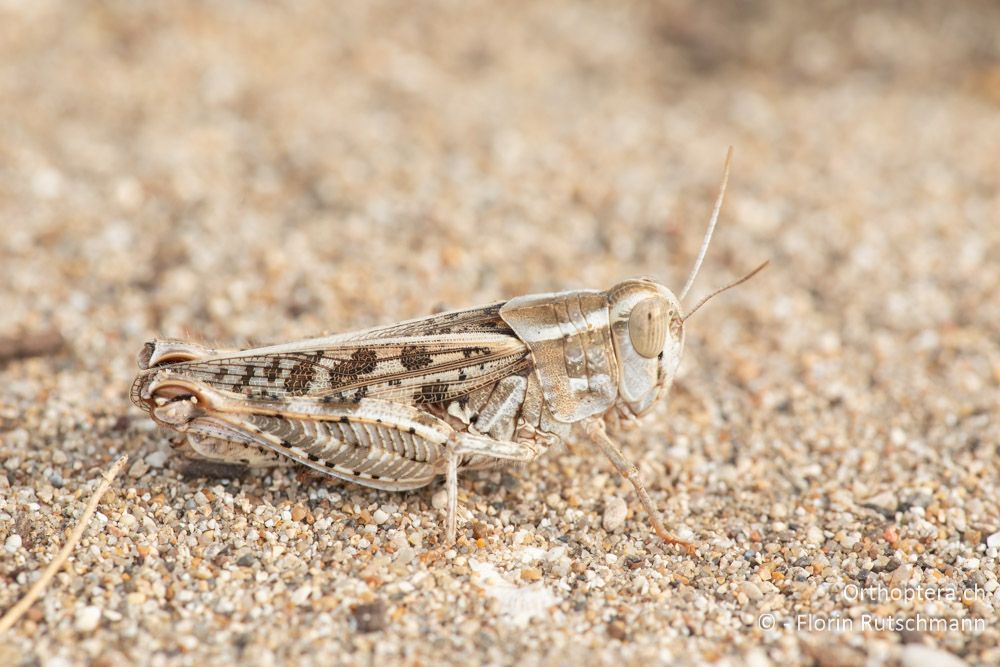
pixel 596 431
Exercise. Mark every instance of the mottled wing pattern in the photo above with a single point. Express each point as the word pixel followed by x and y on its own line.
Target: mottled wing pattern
pixel 432 360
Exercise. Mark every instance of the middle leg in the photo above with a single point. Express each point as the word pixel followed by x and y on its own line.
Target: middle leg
pixel 462 444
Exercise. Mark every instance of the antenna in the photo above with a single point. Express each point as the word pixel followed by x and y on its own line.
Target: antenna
pixel 729 286
pixel 711 227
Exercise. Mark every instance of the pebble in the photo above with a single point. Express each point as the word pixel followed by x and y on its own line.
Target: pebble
pixel 531 574
pixel 993 541
pixel 405 555
pixel 379 516
pixel 369 617
pixel 617 630
pixel 615 511
pixel 87 619
pixel 13 543
pixel 440 499
pixel 301 594
pixel 751 590
pixel 885 503
pixel 138 469
pixel 756 657
pixel 918 655
pixel 157 459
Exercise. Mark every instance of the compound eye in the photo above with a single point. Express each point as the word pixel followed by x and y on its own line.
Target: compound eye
pixel 647 326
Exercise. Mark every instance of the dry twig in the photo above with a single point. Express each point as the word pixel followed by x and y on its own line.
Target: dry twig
pixel 22 605
pixel 30 344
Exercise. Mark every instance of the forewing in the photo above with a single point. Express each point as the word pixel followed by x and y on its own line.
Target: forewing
pixel 484 319
pixel 431 360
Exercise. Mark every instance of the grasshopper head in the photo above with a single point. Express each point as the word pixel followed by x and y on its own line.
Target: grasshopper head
pixel 647 325
pixel 166 401
pixel 647 328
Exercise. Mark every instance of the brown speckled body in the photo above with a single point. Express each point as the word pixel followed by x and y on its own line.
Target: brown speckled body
pixel 396 406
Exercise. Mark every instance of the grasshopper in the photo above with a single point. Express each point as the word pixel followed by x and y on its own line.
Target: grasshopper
pixel 395 406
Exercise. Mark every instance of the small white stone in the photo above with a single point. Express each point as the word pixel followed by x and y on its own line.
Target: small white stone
pixel 751 590
pixel 814 535
pixel 918 655
pixel 379 516
pixel 829 342
pixel 531 554
pixel 440 499
pixel 405 555
pixel 301 594
pixel 57 661
pixel 885 502
pixel 398 539
pixel 901 576
pixel 188 643
pixel 848 541
pixel 555 553
pixel 87 618
pixel 13 543
pixel 138 469
pixel 615 510
pixel 156 459
pixel 756 658
pixel 993 541
pixel 562 566
pixel 47 183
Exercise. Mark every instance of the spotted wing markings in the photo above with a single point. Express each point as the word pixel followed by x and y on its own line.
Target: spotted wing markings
pixel 440 358
pixel 414 371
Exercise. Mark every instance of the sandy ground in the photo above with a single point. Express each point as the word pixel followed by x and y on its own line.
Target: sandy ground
pixel 240 173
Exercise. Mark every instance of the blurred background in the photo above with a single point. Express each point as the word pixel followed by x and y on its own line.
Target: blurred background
pixel 250 172
pixel 237 170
